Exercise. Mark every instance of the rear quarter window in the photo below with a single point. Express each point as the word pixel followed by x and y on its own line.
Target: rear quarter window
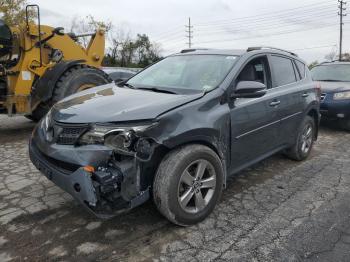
pixel 283 71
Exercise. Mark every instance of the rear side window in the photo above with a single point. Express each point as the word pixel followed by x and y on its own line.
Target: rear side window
pixel 283 71
pixel 301 68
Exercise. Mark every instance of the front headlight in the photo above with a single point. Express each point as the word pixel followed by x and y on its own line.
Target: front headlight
pixel 46 121
pixel 122 138
pixel 342 95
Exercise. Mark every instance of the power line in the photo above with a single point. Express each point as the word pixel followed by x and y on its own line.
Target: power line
pixel 269 26
pixel 318 10
pixel 189 32
pixel 283 32
pixel 273 34
pixel 313 47
pixel 319 5
pixel 268 21
pixel 263 22
pixel 341 15
pixel 282 19
pixel 169 33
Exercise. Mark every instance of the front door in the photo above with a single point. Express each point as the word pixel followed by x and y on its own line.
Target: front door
pixel 254 121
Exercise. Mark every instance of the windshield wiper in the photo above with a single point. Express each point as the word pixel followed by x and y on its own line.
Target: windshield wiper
pixel 124 83
pixel 129 85
pixel 155 89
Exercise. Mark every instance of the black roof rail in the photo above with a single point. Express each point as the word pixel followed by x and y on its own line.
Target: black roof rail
pixel 269 47
pixel 192 50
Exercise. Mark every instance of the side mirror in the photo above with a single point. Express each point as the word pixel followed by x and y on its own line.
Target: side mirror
pixel 249 89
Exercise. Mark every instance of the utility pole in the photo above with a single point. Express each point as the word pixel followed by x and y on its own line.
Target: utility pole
pixel 189 32
pixel 341 15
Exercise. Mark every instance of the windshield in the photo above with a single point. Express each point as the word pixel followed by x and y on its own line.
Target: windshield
pixel 185 72
pixel 333 72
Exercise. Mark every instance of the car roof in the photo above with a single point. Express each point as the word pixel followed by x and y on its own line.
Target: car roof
pixel 237 52
pixel 207 51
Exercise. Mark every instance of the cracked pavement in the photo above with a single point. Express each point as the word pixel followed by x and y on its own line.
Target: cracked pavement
pixel 278 210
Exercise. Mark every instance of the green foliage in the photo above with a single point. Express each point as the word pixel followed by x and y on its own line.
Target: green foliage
pixel 313 64
pixel 139 52
pixel 13 12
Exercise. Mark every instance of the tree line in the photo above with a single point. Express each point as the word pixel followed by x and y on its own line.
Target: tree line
pixel 332 56
pixel 122 49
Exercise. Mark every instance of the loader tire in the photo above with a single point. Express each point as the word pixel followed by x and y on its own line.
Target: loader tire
pixel 78 78
pixel 75 79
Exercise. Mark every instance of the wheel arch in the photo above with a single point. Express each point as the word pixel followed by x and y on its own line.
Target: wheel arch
pixel 164 149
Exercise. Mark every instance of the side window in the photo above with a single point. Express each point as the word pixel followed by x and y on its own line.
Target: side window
pixel 283 71
pixel 301 68
pixel 256 70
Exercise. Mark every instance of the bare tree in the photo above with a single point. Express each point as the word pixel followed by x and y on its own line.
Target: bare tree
pixel 331 56
pixel 88 24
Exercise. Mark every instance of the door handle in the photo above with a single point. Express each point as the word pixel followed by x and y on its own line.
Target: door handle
pixel 275 103
pixel 305 95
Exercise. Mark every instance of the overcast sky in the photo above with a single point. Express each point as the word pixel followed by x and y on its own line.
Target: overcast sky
pixel 309 27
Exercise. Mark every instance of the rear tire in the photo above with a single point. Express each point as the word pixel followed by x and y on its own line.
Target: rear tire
pixel 75 79
pixel 178 195
pixel 304 141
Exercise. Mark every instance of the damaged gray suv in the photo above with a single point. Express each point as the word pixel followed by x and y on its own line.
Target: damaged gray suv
pixel 175 131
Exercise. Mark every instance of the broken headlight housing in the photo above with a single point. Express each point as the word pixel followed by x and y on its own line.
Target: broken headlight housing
pixel 125 139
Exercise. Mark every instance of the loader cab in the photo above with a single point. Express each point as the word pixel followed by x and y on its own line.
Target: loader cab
pixel 5 42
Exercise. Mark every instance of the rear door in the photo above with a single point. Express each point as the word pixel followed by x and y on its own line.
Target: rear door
pixel 288 91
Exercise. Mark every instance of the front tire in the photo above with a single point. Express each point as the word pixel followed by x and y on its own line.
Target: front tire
pixel 304 141
pixel 188 184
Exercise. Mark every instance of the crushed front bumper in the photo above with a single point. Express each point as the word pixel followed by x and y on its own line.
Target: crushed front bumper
pixel 86 190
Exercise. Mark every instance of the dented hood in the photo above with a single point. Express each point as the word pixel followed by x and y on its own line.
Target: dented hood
pixel 110 103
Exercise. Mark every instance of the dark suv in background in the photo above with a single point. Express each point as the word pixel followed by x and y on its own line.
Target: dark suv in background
pixel 177 130
pixel 334 80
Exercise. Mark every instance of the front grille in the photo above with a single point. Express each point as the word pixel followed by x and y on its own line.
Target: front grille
pixel 323 96
pixel 68 135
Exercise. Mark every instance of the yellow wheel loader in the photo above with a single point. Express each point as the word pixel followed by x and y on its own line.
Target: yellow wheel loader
pixel 40 65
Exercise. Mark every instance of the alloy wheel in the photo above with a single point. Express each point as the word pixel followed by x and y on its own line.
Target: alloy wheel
pixel 306 139
pixel 196 186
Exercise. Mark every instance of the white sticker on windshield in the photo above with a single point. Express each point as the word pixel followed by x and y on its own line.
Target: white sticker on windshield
pixel 207 88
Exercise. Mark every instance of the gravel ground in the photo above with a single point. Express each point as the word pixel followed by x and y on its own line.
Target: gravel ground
pixel 278 210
